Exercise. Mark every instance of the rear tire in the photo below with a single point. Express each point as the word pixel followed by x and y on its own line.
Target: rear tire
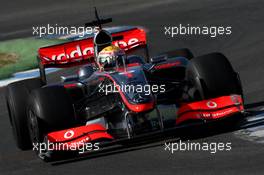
pixel 17 95
pixel 212 76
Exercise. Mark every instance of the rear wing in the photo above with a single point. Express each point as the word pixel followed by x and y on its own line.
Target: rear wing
pixel 82 51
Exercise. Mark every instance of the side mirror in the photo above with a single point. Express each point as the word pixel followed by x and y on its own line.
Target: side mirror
pixel 69 78
pixel 85 71
pixel 158 59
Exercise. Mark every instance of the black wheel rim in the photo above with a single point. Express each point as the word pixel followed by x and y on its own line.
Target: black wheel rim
pixel 33 128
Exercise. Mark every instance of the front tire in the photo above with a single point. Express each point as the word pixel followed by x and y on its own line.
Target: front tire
pixel 50 109
pixel 17 95
pixel 212 76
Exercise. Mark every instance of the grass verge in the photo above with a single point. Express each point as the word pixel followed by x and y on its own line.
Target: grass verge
pixel 20 54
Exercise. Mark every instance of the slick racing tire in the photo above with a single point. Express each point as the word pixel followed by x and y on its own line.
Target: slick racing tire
pixel 16 100
pixel 50 109
pixel 212 76
pixel 184 52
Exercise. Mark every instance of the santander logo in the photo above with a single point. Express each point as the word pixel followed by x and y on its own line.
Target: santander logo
pixel 80 51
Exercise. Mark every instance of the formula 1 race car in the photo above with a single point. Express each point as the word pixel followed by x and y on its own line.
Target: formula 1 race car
pixel 141 95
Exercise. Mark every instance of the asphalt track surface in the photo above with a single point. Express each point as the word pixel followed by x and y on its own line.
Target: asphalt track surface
pixel 244 48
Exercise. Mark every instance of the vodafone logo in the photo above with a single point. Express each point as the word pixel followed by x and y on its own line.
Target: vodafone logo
pixel 80 51
pixel 211 104
pixel 69 134
pixel 125 44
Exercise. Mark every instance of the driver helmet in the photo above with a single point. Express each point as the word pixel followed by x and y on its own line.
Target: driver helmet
pixel 110 57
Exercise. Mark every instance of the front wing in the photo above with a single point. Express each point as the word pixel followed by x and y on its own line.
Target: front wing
pixel 205 110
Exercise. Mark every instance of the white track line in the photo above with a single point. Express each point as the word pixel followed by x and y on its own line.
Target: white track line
pixel 25 75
